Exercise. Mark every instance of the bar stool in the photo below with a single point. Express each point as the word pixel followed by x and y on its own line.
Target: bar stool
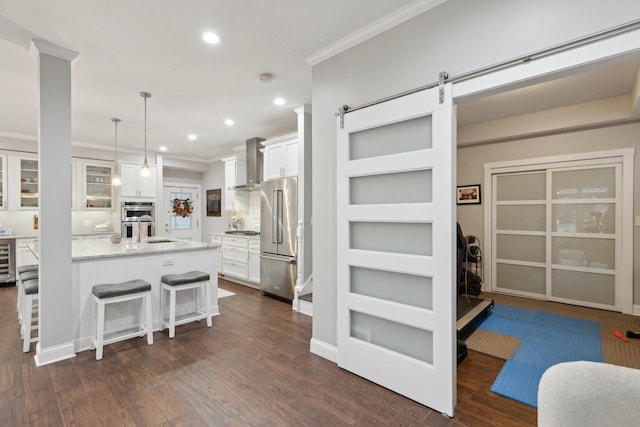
pixel 114 293
pixel 30 291
pixel 173 283
pixel 24 277
pixel 20 271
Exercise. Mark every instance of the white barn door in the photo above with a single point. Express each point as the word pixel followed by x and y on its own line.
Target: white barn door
pixel 395 259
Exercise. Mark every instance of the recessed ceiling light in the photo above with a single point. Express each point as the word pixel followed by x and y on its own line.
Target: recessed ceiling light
pixel 163 148
pixel 192 137
pixel 229 122
pixel 279 101
pixel 211 38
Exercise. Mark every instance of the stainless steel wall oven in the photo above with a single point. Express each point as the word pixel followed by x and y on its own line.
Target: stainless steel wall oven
pixel 143 213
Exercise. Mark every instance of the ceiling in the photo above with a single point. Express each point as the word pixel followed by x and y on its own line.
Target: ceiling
pixel 599 81
pixel 126 47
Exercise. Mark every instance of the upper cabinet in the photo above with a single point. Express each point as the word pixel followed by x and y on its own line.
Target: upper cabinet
pixel 281 157
pixel 29 183
pixel 98 192
pixel 135 185
pixel 3 182
pixel 235 173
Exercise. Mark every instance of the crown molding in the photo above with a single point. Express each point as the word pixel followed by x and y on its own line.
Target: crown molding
pixel 51 49
pixel 376 27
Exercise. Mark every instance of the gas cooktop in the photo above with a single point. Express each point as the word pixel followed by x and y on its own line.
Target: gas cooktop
pixel 243 232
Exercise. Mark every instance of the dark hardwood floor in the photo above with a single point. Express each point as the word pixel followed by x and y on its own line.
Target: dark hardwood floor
pixel 253 367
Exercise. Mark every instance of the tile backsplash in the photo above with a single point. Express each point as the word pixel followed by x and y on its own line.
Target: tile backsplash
pixel 82 222
pixel 247 211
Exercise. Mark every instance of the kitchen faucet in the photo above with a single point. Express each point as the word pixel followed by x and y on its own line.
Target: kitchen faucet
pixel 139 230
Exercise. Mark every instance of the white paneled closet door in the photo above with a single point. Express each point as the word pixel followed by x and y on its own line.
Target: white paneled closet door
pixel 396 218
pixel 557 234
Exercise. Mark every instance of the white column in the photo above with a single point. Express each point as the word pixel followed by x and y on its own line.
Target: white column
pixel 54 156
pixel 304 185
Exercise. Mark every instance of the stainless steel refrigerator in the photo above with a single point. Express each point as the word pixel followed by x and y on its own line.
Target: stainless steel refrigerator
pixel 278 239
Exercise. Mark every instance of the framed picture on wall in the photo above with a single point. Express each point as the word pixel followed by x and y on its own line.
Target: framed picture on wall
pixel 468 194
pixel 214 202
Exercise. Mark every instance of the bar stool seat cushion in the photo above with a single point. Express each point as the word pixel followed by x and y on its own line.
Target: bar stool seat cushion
pixel 28 275
pixel 25 268
pixel 185 278
pixel 30 286
pixel 118 289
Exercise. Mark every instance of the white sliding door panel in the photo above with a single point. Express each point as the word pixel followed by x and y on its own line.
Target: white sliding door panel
pixel 584 257
pixel 396 217
pixel 556 233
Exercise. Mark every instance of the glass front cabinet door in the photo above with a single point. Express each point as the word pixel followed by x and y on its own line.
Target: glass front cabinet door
pixel 98 191
pixel 29 183
pixel 3 182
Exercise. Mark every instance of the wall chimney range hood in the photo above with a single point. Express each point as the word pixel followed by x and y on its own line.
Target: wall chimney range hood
pixel 254 165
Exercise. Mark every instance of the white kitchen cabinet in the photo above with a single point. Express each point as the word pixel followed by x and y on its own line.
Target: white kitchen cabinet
pixel 254 261
pixel 135 185
pixel 217 240
pixel 27 182
pixel 3 182
pixel 96 185
pixel 235 257
pixel 235 173
pixel 281 159
pixel 24 256
pixel 241 259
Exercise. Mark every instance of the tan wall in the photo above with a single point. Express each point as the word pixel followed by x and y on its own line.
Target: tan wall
pixel 471 162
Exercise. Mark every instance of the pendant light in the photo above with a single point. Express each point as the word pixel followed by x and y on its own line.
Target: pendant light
pixel 115 178
pixel 145 170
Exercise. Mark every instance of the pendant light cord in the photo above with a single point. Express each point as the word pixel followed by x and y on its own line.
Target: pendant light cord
pixel 145 95
pixel 116 122
pixel 145 129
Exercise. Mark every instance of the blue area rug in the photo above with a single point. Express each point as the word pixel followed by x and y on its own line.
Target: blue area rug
pixel 547 339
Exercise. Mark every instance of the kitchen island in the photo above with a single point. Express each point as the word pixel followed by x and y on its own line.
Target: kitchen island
pixel 98 261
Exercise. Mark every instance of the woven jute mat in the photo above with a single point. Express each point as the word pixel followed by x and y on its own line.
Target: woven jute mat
pixel 493 344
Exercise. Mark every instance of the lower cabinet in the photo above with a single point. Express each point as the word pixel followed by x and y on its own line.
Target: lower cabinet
pixel 240 258
pixel 254 261
pixel 24 256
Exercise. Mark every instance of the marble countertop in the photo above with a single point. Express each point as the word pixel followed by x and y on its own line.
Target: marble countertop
pixel 75 236
pixel 20 236
pixel 256 237
pixel 103 248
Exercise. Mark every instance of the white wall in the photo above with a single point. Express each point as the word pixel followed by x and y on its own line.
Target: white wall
pixel 211 180
pixel 457 36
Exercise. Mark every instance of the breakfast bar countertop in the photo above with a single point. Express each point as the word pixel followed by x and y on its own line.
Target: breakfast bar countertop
pixel 103 248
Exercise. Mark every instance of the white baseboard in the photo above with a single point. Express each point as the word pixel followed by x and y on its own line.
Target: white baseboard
pixel 324 350
pixel 53 354
pixel 636 310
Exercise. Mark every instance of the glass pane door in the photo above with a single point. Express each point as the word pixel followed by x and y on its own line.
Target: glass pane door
pixel 395 247
pixel 520 233
pixel 98 190
pixel 3 182
pixel 181 213
pixel 556 234
pixel 583 237
pixel 28 183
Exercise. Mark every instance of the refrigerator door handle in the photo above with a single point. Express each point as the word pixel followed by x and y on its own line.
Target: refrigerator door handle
pixel 290 260
pixel 280 215
pixel 274 217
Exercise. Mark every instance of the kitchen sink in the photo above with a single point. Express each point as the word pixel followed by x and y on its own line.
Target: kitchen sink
pixel 161 241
